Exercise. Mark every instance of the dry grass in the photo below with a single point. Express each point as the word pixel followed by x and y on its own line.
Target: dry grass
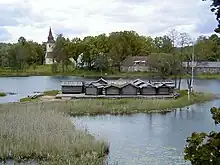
pixel 31 132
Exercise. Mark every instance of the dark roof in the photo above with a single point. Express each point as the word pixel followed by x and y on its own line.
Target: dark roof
pixel 146 84
pixel 129 61
pixel 72 83
pixel 50 36
pixel 112 85
pixel 128 83
pixel 101 79
pixel 96 85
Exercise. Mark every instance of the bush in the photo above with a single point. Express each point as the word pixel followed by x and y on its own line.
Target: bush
pixel 204 148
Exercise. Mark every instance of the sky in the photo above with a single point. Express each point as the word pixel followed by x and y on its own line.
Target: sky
pixel 33 18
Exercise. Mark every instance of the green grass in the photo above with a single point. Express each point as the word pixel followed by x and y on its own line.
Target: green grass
pixel 46 93
pixel 125 106
pixel 51 93
pixel 2 94
pixel 34 132
pixel 45 70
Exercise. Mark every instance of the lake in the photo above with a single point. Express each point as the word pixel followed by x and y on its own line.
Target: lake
pixel 141 139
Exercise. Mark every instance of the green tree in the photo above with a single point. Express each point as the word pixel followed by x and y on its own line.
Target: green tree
pixel 60 53
pixel 203 148
pixel 215 8
pixel 119 48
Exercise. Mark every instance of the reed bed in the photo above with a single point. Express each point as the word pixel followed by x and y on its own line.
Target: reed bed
pixel 32 132
pixel 118 106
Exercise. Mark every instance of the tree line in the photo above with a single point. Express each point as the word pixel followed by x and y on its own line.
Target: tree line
pixel 105 51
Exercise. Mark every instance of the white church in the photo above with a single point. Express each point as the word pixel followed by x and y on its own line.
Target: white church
pixel 49 48
pixel 50 44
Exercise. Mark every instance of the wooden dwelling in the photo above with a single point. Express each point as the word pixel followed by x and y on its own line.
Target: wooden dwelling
pixel 112 89
pixel 148 89
pixel 171 86
pixel 138 82
pixel 129 89
pixel 94 89
pixel 163 89
pixel 72 87
pixel 101 81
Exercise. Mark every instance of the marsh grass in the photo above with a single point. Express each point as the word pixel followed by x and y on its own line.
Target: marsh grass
pixel 45 93
pixel 2 94
pixel 80 107
pixel 32 132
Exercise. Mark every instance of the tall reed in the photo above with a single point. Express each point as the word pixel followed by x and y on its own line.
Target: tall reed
pixel 34 133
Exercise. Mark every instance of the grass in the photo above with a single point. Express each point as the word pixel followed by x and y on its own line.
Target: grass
pixel 51 93
pixel 45 93
pixel 125 106
pixel 34 132
pixel 2 94
pixel 45 70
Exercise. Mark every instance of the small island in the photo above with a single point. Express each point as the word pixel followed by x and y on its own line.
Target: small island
pixel 2 94
pixel 117 97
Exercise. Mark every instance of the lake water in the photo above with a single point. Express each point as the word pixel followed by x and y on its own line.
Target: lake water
pixel 154 139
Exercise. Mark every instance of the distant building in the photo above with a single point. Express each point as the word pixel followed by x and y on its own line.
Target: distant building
pixel 49 48
pixel 203 67
pixel 135 64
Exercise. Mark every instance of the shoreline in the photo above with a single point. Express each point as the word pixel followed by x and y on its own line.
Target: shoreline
pixel 45 70
pixel 117 75
pixel 123 106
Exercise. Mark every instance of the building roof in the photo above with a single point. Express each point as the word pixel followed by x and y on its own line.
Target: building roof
pixel 112 85
pixel 128 83
pixel 130 60
pixel 72 83
pixel 50 37
pixel 97 85
pixel 146 84
pixel 203 64
pixel 101 79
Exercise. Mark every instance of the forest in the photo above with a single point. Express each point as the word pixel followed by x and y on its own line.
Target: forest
pixel 109 50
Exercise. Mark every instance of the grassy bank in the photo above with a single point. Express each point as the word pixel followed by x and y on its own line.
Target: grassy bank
pixel 45 70
pixel 121 106
pixel 2 94
pixel 46 93
pixel 30 132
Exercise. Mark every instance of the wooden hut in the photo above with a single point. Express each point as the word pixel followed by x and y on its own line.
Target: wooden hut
pixel 147 89
pixel 163 89
pixel 94 89
pixel 101 81
pixel 138 82
pixel 171 86
pixel 112 89
pixel 129 89
pixel 72 87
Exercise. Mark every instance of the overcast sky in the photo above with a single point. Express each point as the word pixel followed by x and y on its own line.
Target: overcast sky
pixel 79 18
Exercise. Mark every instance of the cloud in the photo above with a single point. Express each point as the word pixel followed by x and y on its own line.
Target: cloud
pixel 32 19
pixel 4 35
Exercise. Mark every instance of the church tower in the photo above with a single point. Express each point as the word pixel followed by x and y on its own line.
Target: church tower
pixel 49 48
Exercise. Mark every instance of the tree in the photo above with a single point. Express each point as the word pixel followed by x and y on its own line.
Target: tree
pixel 119 48
pixel 215 8
pixel 203 148
pixel 60 53
pixel 174 37
pixel 184 41
pixel 161 63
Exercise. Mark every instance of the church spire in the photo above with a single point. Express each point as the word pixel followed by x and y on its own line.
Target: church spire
pixel 50 36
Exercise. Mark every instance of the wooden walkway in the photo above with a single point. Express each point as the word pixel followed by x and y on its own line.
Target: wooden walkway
pixel 83 96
